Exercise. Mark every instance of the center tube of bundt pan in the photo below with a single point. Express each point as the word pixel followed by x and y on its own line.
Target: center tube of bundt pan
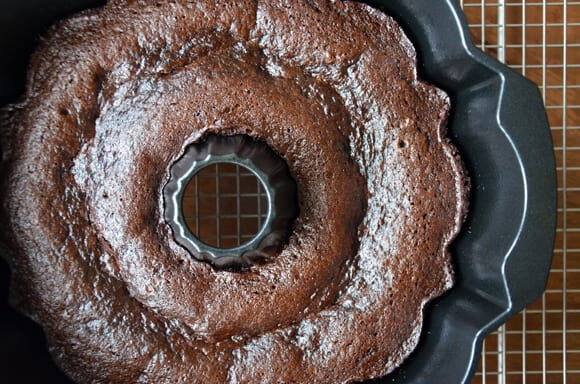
pixel 230 201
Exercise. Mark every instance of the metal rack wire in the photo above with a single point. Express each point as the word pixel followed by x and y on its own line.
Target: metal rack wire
pixel 540 39
pixel 224 205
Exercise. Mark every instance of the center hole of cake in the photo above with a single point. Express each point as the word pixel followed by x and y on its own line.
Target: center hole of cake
pixel 225 205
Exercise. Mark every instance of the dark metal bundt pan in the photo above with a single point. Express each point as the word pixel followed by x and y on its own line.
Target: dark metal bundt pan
pixel 502 257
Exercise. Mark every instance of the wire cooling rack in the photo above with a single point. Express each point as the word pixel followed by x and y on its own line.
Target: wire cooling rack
pixel 540 39
pixel 224 205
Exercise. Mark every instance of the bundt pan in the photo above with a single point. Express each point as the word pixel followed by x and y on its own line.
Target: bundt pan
pixel 502 257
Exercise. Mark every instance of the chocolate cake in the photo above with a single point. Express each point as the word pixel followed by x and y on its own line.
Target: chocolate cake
pixel 116 95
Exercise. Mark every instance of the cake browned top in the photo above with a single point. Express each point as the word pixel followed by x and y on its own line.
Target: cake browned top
pixel 115 96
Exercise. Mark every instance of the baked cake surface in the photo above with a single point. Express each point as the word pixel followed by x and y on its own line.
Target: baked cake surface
pixel 114 97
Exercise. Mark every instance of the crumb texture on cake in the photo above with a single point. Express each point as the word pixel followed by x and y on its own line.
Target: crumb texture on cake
pixel 114 97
